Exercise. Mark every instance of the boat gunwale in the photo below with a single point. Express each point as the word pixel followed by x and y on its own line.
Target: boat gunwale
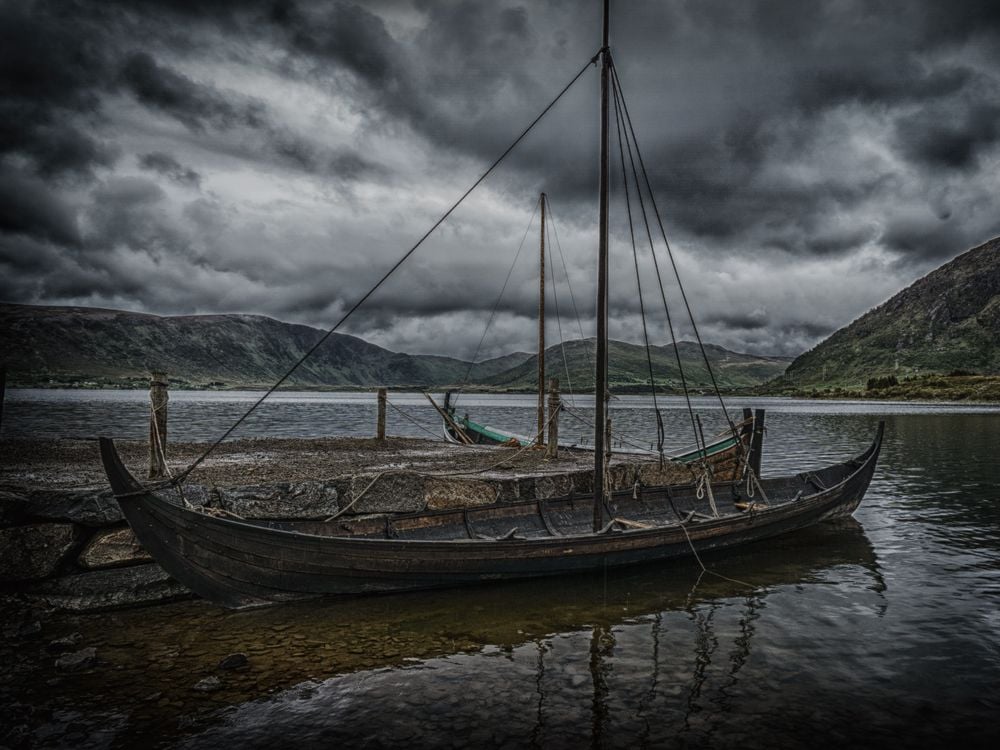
pixel 864 460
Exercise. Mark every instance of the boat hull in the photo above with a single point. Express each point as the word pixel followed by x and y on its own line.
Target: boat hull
pixel 237 563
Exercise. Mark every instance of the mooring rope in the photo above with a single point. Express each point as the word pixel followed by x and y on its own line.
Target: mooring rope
pixel 694 552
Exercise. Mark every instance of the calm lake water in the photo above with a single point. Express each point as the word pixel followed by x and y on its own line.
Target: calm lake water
pixel 884 631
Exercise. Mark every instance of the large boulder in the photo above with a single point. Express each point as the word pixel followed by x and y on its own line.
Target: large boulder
pixel 112 548
pixel 34 551
pixel 88 506
pixel 106 589
pixel 284 500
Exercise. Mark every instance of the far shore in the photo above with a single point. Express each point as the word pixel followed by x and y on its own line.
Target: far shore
pixel 926 388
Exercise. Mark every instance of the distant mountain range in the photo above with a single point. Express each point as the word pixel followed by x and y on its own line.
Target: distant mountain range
pixel 89 347
pixel 947 321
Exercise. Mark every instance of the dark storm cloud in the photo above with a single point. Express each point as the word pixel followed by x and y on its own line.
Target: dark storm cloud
pixel 169 167
pixel 942 137
pixel 195 105
pixel 50 72
pixel 27 207
pixel 855 138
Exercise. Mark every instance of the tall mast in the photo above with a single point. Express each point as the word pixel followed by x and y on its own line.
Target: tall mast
pixel 541 332
pixel 601 374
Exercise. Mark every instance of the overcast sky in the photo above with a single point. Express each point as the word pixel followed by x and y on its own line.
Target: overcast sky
pixel 810 158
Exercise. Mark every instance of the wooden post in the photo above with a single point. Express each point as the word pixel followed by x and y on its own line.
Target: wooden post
pixel 158 425
pixel 552 449
pixel 757 441
pixel 3 393
pixel 383 397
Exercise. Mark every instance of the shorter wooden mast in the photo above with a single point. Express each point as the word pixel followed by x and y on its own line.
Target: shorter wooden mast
pixel 540 437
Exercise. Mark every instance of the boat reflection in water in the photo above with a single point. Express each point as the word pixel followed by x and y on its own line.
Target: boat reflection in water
pixel 627 656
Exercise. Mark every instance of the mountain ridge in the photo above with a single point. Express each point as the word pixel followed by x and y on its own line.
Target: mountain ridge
pixel 95 347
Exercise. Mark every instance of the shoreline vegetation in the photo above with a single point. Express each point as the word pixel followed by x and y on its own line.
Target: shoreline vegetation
pixel 952 387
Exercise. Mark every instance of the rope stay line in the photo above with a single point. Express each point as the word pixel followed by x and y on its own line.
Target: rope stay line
pixel 496 305
pixel 666 242
pixel 638 280
pixel 659 276
pixel 489 170
pixel 555 299
pixel 562 260
pixel 572 296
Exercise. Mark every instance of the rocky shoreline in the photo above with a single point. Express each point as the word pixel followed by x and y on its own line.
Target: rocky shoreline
pixel 64 544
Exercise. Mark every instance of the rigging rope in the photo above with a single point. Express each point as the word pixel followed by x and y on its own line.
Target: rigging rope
pixel 569 284
pixel 638 281
pixel 496 305
pixel 659 278
pixel 663 233
pixel 555 299
pixel 184 474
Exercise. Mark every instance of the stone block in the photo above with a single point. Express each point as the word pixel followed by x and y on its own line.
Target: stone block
pixel 396 492
pixel 112 548
pixel 34 551
pixel 555 485
pixel 446 493
pixel 280 500
pixel 651 474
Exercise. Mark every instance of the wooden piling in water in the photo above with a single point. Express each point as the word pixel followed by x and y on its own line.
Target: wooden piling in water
pixel 552 447
pixel 158 425
pixel 383 397
pixel 3 393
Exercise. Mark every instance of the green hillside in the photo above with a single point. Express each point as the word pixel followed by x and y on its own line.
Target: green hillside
pixel 949 320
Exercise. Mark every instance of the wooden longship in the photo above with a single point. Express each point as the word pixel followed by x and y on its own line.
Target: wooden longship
pixel 238 563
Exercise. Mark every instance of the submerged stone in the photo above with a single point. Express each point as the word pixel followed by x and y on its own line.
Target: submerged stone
pixel 234 661
pixel 81 659
pixel 64 644
pixel 208 685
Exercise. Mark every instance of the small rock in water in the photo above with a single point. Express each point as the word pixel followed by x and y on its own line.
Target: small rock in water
pixel 31 629
pixel 64 644
pixel 234 661
pixel 79 660
pixel 208 685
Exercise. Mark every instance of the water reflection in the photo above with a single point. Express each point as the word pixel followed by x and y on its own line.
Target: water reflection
pixel 569 661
